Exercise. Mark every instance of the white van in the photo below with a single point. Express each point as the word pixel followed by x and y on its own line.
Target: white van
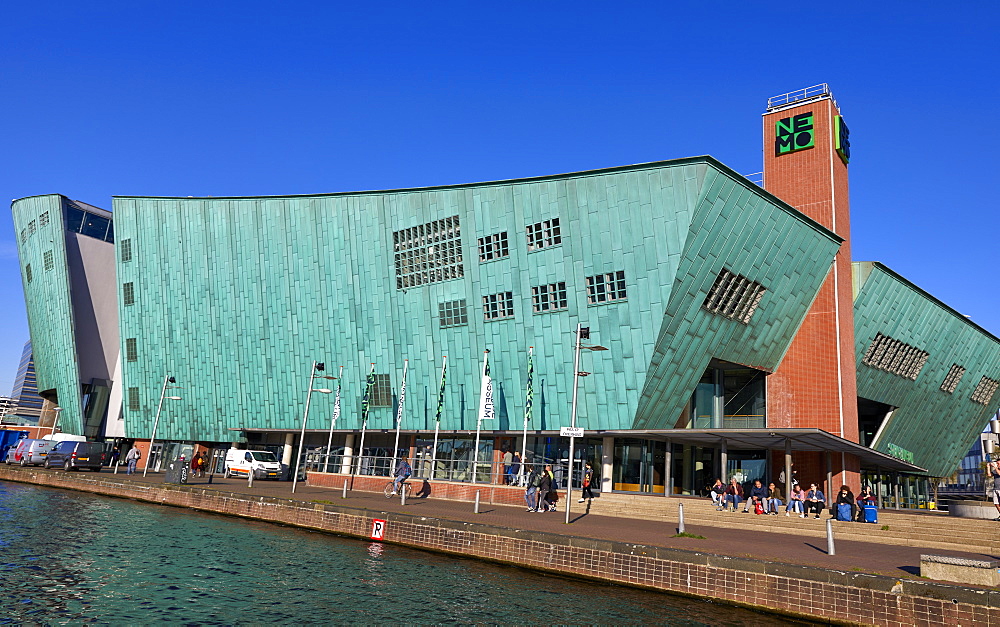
pixel 263 464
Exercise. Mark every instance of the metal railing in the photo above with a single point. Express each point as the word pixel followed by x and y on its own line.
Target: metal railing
pixel 792 97
pixel 457 470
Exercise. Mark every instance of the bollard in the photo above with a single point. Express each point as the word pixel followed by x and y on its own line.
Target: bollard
pixel 345 490
pixel 477 502
pixel 829 537
pixel 250 478
pixel 680 518
pixel 117 464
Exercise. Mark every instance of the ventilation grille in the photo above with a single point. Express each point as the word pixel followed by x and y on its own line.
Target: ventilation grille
pixel 899 358
pixel 734 296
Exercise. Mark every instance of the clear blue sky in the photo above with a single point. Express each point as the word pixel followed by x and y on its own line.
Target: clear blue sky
pixel 251 98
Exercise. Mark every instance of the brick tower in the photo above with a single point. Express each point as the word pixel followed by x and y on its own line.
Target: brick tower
pixel 806 151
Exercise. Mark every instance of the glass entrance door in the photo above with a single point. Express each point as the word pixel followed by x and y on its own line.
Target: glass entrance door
pixel 639 465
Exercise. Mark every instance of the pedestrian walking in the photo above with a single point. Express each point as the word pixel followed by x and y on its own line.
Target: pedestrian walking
pixel 588 476
pixel 531 492
pixel 132 458
pixel 515 469
pixel 508 460
pixel 544 486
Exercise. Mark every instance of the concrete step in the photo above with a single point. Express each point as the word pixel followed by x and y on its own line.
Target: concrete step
pixel 923 529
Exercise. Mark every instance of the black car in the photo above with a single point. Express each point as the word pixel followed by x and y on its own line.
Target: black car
pixel 76 455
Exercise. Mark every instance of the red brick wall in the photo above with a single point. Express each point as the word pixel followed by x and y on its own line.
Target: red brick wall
pixel 806 390
pixel 488 493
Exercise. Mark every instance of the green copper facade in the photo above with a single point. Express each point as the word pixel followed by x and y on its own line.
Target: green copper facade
pixel 934 425
pixel 236 297
pixel 66 250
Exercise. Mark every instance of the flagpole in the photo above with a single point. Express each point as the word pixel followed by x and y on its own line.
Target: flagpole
pixel 479 418
pixel 333 421
pixel 437 420
pixel 364 416
pixel 527 410
pixel 399 414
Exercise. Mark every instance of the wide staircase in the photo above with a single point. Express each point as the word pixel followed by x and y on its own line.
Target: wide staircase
pixel 925 529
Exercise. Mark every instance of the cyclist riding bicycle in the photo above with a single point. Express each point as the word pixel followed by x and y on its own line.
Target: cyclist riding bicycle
pixel 403 472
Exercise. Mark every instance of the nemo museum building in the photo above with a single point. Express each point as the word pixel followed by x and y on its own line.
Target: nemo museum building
pixel 688 323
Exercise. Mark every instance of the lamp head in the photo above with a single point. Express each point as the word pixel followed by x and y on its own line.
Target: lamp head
pixel 320 366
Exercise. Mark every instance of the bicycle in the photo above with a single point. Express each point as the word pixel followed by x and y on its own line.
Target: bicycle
pixel 404 485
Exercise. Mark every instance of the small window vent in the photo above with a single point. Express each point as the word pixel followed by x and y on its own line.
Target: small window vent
pixel 128 294
pixel 131 351
pixel 43 220
pixel 606 288
pixel 951 381
pixel 899 358
pixel 48 260
pixel 133 399
pixel 381 395
pixel 985 390
pixel 125 246
pixel 453 313
pixel 734 296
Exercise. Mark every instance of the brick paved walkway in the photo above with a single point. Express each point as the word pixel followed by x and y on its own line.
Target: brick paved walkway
pixel 883 559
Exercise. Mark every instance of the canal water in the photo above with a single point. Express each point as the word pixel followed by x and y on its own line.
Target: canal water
pixel 76 558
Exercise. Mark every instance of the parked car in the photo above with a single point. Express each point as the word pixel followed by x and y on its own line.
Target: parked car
pixel 8 457
pixel 72 455
pixel 31 452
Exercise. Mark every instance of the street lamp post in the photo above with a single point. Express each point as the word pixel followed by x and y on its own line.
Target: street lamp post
pixel 317 366
pixel 156 421
pixel 581 333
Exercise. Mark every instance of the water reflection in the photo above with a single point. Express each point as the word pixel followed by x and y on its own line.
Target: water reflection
pixel 71 557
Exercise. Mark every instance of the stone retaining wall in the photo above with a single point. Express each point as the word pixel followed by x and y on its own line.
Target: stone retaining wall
pixel 795 590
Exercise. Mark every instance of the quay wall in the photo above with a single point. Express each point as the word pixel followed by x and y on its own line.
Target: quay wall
pixel 808 592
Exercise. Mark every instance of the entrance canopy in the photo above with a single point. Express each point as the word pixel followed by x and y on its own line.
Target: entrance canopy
pixel 774 439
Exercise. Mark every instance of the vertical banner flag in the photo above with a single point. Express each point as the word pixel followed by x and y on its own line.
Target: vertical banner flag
pixel 486 393
pixel 336 401
pixel 402 396
pixel 444 366
pixel 529 392
pixel 365 400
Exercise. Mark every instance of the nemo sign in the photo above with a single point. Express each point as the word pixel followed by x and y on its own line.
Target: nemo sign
pixel 794 133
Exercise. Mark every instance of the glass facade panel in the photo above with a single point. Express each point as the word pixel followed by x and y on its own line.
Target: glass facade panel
pixel 639 465
pixel 95 226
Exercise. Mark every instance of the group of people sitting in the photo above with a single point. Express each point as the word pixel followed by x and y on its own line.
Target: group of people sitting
pixel 802 502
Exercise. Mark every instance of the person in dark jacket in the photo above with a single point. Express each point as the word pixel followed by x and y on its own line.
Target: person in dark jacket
pixel 544 505
pixel 815 500
pixel 734 494
pixel 758 494
pixel 846 497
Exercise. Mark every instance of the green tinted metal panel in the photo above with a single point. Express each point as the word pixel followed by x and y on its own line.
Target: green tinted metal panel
pixel 937 427
pixel 735 228
pixel 237 296
pixel 49 304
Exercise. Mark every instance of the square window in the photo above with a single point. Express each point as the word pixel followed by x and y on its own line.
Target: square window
pixel 128 294
pixel 131 350
pixel 551 297
pixel 606 288
pixel 498 306
pixel 543 234
pixel 493 247
pixel 453 313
